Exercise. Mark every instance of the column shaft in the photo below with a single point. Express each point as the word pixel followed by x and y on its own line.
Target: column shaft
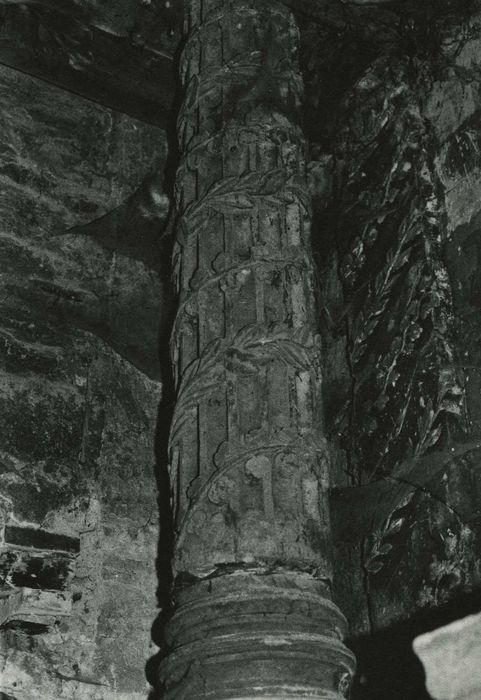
pixel 249 463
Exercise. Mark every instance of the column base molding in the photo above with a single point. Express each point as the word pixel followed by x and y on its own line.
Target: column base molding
pixel 256 635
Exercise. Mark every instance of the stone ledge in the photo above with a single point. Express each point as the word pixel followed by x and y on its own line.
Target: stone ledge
pixel 34 606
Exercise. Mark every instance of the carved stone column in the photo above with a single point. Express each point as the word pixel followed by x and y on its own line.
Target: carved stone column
pixel 253 616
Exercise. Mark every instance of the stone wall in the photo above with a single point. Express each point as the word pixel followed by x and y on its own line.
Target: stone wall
pixel 79 393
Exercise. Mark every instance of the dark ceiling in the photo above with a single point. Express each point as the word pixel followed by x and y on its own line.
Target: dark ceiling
pixel 121 53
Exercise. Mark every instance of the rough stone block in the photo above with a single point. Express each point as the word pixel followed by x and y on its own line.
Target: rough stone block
pixel 451 656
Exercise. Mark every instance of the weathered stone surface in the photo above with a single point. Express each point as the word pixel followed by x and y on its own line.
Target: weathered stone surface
pixel 248 635
pixel 80 316
pixel 119 55
pixel 451 657
pixel 122 54
pixel 57 174
pixel 34 607
pixel 396 201
pixel 403 109
pixel 399 394
pixel 249 461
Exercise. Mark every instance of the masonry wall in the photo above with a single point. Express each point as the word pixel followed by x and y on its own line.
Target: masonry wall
pixel 79 393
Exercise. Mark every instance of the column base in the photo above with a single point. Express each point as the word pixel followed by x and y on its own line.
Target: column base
pixel 256 635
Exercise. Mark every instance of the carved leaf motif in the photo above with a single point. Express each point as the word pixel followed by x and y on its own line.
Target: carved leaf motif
pixel 398 298
pixel 380 548
pixel 234 71
pixel 294 193
pixel 231 201
pixel 240 192
pixel 431 437
pixel 196 91
pixel 198 380
pixel 448 401
pixel 190 99
pixel 258 344
pixel 272 182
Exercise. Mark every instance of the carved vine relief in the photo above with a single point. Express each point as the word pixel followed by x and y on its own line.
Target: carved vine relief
pixel 246 457
pixel 249 463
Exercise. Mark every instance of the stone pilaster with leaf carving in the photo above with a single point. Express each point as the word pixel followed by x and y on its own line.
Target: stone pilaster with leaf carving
pixel 249 464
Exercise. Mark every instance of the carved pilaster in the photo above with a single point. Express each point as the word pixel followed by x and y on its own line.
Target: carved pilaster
pixel 249 464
